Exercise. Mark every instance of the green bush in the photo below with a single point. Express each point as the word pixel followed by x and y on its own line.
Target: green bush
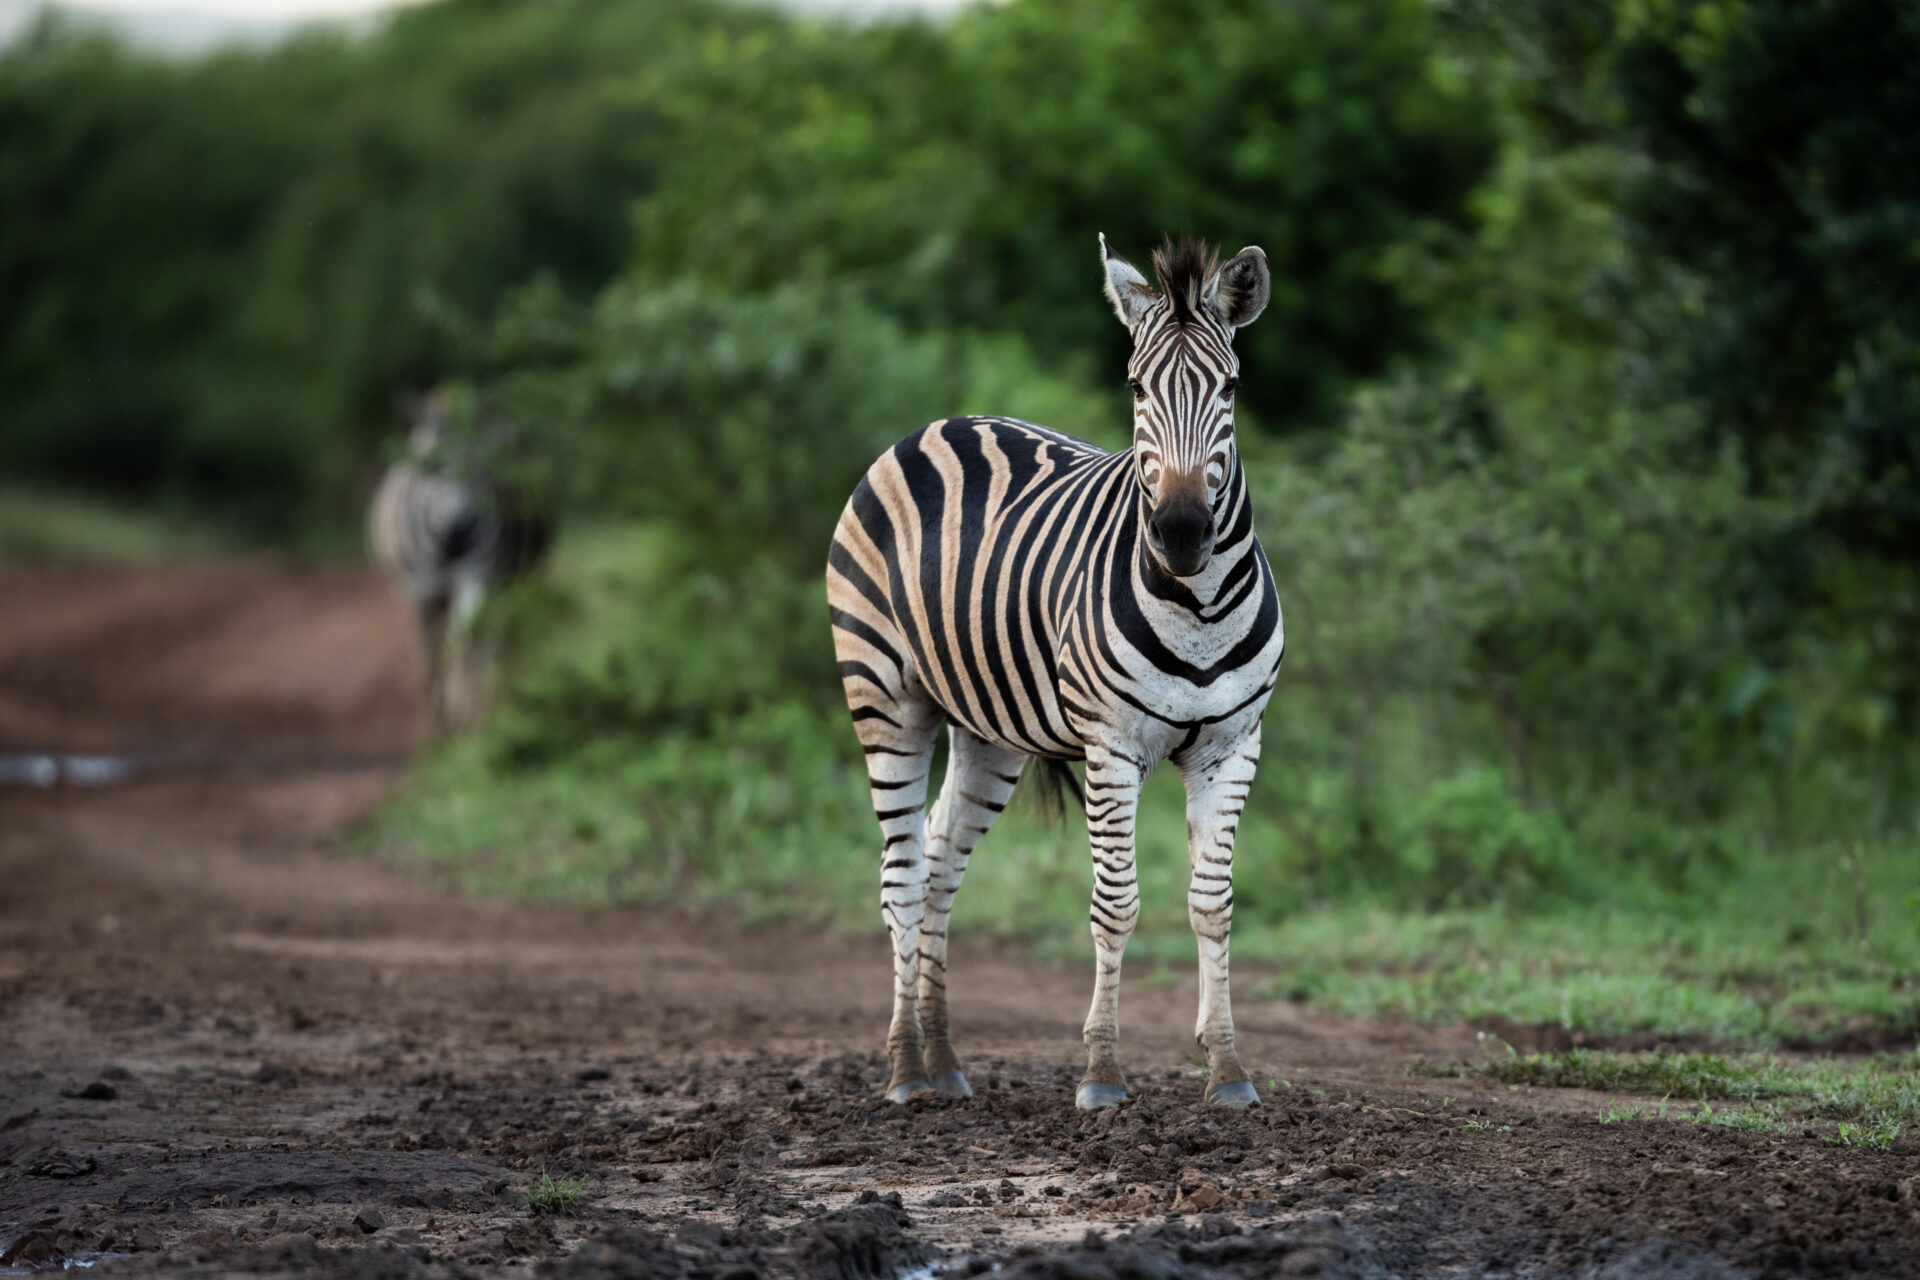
pixel 1466 841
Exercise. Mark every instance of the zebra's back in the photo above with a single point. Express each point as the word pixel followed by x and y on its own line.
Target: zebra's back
pixel 963 541
pixel 427 531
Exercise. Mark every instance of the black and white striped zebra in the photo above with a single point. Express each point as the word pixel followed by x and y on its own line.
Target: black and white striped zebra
pixel 445 532
pixel 1044 598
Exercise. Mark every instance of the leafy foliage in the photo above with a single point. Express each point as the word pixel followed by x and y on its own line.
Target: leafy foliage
pixel 212 268
pixel 1580 428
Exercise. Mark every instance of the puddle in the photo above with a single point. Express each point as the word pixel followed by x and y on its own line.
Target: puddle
pixel 45 770
pixel 80 1262
pixel 74 771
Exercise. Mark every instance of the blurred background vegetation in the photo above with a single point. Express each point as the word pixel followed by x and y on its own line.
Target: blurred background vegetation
pixel 1584 426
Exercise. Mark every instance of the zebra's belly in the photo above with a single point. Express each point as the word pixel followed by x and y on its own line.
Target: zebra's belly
pixel 1002 688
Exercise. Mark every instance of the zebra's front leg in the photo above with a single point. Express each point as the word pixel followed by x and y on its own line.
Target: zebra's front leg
pixel 1217 787
pixel 980 781
pixel 1113 800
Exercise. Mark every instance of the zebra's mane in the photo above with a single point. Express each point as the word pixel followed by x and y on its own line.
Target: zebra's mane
pixel 1184 267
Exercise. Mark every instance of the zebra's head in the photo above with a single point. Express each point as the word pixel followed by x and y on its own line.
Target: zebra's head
pixel 1183 375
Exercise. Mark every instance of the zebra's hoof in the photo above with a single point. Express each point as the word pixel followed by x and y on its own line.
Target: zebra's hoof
pixel 952 1084
pixel 1094 1095
pixel 1238 1095
pixel 901 1092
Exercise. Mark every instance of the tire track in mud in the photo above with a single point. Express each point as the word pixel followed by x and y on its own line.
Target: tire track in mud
pixel 226 1049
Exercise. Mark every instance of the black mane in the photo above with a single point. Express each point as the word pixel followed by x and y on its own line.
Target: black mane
pixel 1184 267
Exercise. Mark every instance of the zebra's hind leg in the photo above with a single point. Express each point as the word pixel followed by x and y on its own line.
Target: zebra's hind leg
pixel 1113 798
pixel 898 723
pixel 431 611
pixel 899 758
pixel 980 781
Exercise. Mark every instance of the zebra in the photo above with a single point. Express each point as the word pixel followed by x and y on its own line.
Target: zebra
pixel 445 532
pixel 1043 598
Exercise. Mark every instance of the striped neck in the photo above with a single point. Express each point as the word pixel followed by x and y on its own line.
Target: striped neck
pixel 1226 571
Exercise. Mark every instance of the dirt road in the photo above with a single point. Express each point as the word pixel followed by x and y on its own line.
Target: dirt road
pixel 226 1048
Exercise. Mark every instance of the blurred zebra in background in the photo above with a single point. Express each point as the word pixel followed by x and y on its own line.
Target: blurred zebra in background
pixel 446 532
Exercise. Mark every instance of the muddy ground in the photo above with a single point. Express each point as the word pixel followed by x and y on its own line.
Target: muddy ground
pixel 227 1048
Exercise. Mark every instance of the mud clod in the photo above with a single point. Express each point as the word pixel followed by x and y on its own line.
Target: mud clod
pixel 57 1162
pixel 34 1249
pixel 868 1240
pixel 532 1239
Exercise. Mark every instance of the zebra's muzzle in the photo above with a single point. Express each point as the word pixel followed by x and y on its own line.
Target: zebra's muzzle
pixel 1180 532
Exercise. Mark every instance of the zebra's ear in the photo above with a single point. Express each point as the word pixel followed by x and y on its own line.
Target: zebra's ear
pixel 1127 289
pixel 1239 291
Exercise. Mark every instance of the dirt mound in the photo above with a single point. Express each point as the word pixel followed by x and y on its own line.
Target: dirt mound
pixel 867 1240
pixel 1218 1247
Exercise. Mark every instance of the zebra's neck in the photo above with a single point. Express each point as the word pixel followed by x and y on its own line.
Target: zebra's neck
pixel 1230 573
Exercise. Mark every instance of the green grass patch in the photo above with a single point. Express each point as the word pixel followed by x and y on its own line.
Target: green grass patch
pixel 47 525
pixel 551 1195
pixel 1868 1103
pixel 1773 954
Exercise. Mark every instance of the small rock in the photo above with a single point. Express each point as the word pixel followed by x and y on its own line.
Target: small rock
pixel 34 1249
pixel 1008 1191
pixel 1198 1194
pixel 404 1235
pixel 98 1091
pixel 368 1219
pixel 1053 1191
pixel 590 1074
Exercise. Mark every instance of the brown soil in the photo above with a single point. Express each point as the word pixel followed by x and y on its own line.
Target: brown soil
pixel 228 1049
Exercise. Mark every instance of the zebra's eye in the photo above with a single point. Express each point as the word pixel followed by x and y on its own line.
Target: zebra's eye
pixel 1139 392
pixel 1226 392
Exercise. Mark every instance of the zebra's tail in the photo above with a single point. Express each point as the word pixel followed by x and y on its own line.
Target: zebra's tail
pixel 1051 783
